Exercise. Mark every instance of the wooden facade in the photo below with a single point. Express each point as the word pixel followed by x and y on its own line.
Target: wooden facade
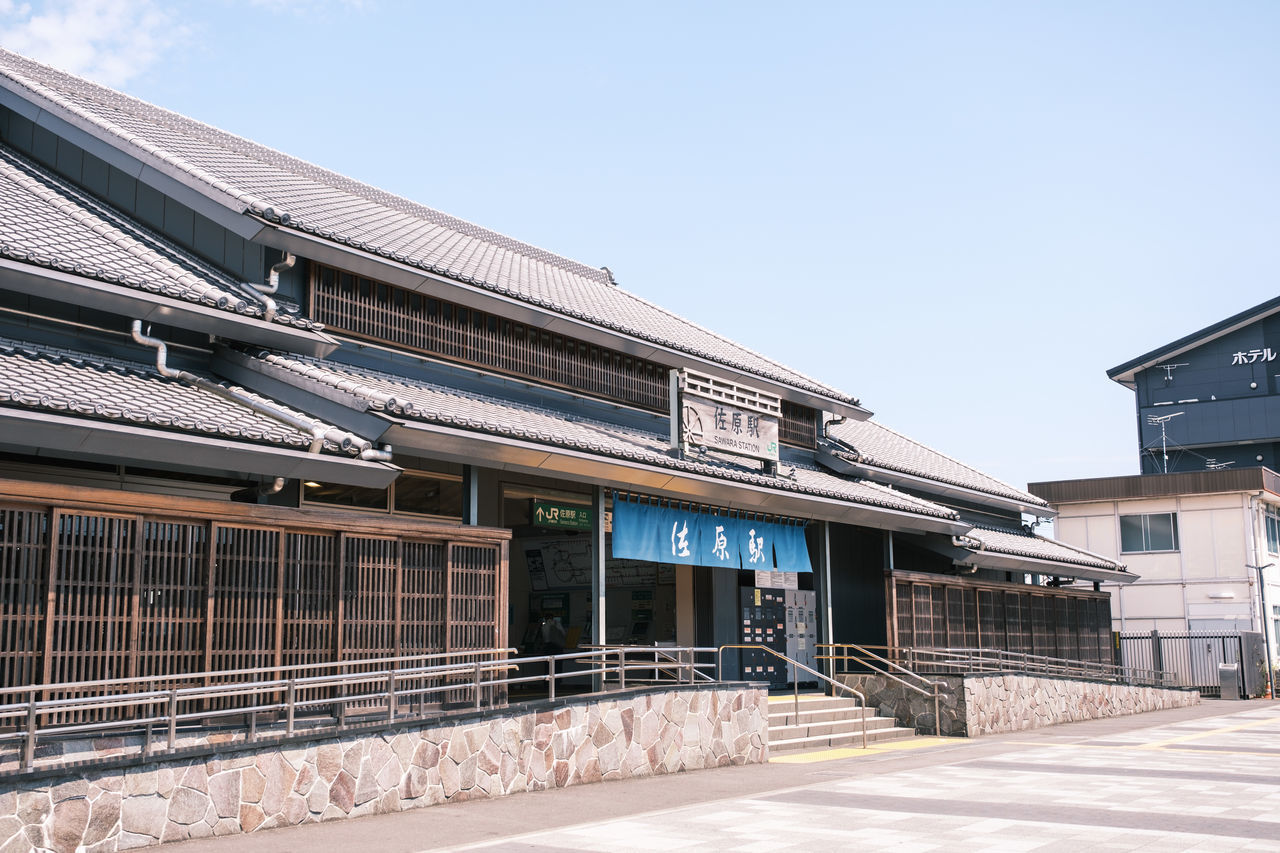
pixel 371 310
pixel 100 584
pixel 935 611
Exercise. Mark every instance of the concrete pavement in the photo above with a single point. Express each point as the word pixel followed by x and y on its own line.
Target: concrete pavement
pixel 1201 778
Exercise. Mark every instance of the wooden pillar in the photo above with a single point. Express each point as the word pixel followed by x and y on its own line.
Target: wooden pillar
pixel 279 615
pixel 339 592
pixel 598 561
pixel 135 594
pixel 50 608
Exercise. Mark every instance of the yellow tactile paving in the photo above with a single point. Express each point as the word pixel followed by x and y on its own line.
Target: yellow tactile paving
pixel 855 752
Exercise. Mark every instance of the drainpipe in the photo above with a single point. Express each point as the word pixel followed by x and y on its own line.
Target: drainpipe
pixel 827 425
pixel 320 433
pixel 273 284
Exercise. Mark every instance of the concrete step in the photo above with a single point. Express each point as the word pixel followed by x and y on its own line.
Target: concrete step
pixel 824 722
pixel 845 739
pixel 789 718
pixel 829 728
pixel 812 702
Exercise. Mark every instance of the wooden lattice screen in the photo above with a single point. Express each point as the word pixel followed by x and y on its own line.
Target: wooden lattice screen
pixel 957 613
pixel 92 589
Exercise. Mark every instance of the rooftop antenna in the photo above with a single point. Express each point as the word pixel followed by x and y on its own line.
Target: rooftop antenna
pixel 1215 465
pixel 1168 370
pixel 1162 420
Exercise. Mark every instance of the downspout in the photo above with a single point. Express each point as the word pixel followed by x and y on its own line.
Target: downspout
pixel 320 433
pixel 827 425
pixel 273 284
pixel 1255 545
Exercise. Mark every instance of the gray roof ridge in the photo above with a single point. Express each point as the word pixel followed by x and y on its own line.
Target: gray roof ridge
pixel 315 371
pixel 215 135
pixel 1013 490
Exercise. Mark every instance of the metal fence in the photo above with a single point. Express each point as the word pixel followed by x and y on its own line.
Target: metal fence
pixel 320 699
pixel 927 661
pixel 1189 659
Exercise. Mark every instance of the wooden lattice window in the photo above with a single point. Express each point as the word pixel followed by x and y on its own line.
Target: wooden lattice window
pixel 24 550
pixel 368 309
pixel 171 590
pixel 308 590
pixel 149 590
pixel 798 425
pixel 245 591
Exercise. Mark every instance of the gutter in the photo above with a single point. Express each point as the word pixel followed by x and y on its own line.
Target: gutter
pixel 320 432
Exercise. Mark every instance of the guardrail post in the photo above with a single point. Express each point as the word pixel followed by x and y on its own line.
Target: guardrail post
pixel 937 716
pixel 173 718
pixel 477 685
pixel 622 669
pixel 291 695
pixel 253 726
pixel 29 748
pixel 391 696
pixel 551 677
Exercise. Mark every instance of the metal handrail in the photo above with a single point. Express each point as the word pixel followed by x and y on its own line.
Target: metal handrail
pixel 283 671
pixel 999 660
pixel 865 659
pixel 861 699
pixel 304 691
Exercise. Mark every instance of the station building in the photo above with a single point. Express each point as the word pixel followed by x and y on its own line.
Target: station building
pixel 256 413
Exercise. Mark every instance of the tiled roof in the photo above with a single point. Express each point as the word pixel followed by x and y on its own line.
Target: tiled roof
pixel 876 444
pixel 1022 543
pixel 250 177
pixel 435 404
pixel 44 221
pixel 67 382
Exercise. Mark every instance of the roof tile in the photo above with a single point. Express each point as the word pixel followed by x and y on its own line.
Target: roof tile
pixel 299 195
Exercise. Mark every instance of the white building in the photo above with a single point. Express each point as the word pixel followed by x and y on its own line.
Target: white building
pixel 1196 540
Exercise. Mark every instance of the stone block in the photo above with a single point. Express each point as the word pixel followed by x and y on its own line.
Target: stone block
pixel 66 829
pixel 196 777
pixel 328 761
pixel 342 793
pixel 104 816
pixel 144 815
pixel 251 817
pixel 224 793
pixel 307 777
pixel 188 806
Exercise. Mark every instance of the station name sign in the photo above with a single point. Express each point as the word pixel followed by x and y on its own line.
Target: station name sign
pixel 560 516
pixel 725 416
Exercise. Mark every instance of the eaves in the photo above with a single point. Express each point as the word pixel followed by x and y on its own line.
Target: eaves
pixel 155 308
pixel 513 454
pixel 38 432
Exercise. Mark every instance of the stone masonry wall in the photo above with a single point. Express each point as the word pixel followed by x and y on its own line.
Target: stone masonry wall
pixel 911 710
pixel 227 791
pixel 987 704
pixel 1011 703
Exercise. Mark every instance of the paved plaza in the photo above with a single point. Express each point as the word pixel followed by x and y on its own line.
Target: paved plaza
pixel 1202 778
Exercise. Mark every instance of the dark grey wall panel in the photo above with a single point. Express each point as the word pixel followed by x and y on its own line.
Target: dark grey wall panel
pixel 95 176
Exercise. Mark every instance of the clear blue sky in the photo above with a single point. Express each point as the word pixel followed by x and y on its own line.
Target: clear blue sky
pixel 962 213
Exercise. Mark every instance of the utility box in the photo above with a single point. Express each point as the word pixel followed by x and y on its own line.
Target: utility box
pixel 1253 664
pixel 1229 679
